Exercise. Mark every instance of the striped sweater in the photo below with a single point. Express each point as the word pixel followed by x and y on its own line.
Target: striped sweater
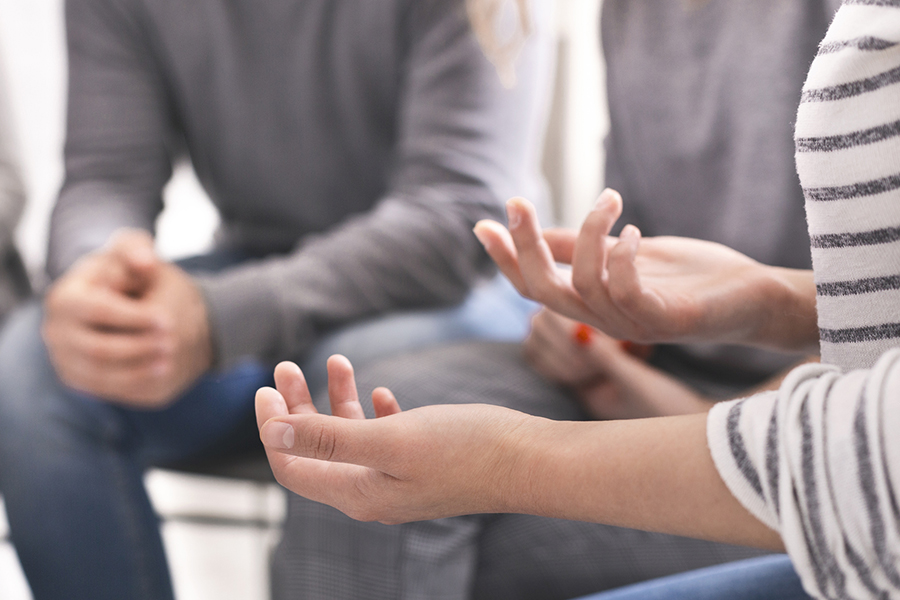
pixel 819 460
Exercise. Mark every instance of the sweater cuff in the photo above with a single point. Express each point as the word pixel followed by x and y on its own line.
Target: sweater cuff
pixel 244 316
pixel 736 454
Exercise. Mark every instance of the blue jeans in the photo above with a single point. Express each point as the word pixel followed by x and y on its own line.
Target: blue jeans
pixel 71 467
pixel 765 578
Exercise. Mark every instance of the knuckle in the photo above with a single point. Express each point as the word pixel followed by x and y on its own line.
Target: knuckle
pixel 323 442
pixel 584 283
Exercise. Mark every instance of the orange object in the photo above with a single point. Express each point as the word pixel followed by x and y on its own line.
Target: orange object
pixel 583 334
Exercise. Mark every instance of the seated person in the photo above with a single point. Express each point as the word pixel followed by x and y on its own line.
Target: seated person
pixel 810 468
pixel 702 147
pixel 349 148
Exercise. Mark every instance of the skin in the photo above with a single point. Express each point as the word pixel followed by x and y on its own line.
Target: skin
pixel 127 327
pixel 655 290
pixel 610 381
pixel 654 474
pixel 441 461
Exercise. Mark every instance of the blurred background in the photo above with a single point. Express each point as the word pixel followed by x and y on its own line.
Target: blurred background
pixel 218 532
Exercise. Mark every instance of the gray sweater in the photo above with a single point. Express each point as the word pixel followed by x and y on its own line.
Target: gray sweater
pixel 353 143
pixel 709 153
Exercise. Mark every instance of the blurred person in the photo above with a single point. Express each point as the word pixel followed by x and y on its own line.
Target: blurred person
pixel 349 148
pixel 700 139
pixel 14 283
pixel 811 468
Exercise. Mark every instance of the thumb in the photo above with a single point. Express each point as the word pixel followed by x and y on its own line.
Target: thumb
pixel 324 437
pixel 134 252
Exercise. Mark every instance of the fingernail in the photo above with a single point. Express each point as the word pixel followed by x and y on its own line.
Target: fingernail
pixel 631 235
pixel 278 435
pixel 513 217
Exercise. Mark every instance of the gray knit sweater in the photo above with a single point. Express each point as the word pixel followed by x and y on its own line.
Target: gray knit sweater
pixel 355 142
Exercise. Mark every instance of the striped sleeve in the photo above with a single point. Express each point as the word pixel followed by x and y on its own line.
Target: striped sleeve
pixel 819 462
pixel 848 159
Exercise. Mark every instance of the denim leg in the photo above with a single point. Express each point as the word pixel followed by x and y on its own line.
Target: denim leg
pixel 71 471
pixel 764 578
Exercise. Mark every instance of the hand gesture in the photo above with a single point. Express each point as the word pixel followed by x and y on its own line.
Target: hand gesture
pixel 125 326
pixel 664 289
pixel 426 463
pixel 568 352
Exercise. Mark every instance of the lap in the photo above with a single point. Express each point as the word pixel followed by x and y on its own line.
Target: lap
pixel 216 414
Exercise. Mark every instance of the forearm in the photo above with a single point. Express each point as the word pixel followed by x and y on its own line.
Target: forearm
pixel 640 390
pixel 120 133
pixel 653 474
pixel 410 253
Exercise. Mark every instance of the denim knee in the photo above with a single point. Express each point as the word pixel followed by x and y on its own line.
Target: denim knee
pixel 37 412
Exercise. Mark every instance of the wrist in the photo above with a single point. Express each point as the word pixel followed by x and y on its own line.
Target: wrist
pixel 788 315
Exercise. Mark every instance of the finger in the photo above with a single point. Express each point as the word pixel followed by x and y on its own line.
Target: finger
pixel 589 259
pixel 104 348
pixel 342 389
pixel 291 384
pixel 269 404
pixel 624 281
pixel 108 310
pixel 500 247
pixel 535 259
pixel 552 355
pixel 561 243
pixel 568 368
pixel 384 402
pixel 325 437
pixel 134 250
pixel 138 386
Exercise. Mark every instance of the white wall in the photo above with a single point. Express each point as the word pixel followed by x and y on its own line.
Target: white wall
pixel 574 157
pixel 32 49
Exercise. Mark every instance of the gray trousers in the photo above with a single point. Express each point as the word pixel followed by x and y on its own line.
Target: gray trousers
pixel 326 555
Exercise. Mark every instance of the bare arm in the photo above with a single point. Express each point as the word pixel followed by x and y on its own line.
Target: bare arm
pixel 664 289
pixel 441 461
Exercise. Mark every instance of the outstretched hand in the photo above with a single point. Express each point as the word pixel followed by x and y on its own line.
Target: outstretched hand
pixel 426 463
pixel 447 460
pixel 661 289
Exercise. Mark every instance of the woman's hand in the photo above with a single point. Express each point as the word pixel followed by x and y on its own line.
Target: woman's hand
pixel 664 289
pixel 608 377
pixel 447 460
pixel 431 462
pixel 560 349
